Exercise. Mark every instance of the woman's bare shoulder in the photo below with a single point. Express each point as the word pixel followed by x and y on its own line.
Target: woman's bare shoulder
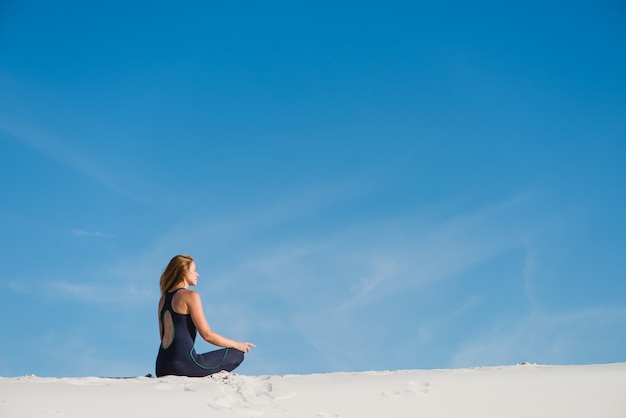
pixel 188 294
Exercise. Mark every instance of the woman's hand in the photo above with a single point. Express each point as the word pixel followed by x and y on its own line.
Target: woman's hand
pixel 244 347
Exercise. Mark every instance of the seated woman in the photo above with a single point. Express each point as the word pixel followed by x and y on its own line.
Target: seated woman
pixel 180 315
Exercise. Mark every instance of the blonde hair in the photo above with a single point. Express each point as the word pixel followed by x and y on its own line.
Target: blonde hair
pixel 175 272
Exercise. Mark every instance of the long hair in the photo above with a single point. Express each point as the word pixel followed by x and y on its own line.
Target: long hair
pixel 175 272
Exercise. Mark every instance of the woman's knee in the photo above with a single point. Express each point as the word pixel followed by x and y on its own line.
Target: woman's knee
pixel 239 356
pixel 235 358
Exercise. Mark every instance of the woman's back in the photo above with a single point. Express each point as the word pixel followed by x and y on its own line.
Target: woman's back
pixel 178 335
pixel 177 355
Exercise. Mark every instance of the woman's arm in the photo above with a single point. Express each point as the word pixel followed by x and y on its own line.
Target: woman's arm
pixel 194 305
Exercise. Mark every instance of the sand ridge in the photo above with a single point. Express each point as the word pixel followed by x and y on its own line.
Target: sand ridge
pixel 508 391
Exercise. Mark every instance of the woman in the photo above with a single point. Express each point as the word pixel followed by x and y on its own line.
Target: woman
pixel 180 315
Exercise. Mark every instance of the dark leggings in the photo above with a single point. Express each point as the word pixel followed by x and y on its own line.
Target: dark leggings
pixel 199 365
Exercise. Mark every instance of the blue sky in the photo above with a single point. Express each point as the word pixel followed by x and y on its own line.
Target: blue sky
pixel 363 185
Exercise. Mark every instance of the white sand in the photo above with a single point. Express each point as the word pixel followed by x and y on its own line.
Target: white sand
pixel 592 391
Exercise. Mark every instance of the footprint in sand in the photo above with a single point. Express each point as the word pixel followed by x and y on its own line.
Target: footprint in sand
pixel 167 386
pixel 412 388
pixel 418 388
pixel 245 396
pixel 391 394
pixel 236 405
pixel 284 397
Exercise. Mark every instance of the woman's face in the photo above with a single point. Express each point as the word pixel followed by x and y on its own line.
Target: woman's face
pixel 191 277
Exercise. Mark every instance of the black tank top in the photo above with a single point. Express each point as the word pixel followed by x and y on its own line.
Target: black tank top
pixel 177 355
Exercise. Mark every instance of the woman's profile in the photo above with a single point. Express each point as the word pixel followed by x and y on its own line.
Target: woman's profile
pixel 180 317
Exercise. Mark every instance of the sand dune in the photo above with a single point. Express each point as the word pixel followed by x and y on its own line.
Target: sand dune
pixel 591 391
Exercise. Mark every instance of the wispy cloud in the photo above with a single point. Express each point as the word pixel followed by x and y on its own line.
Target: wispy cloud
pixel 114 293
pixel 209 240
pixel 60 151
pixel 576 336
pixel 81 356
pixel 410 257
pixel 330 280
pixel 322 288
pixel 83 233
